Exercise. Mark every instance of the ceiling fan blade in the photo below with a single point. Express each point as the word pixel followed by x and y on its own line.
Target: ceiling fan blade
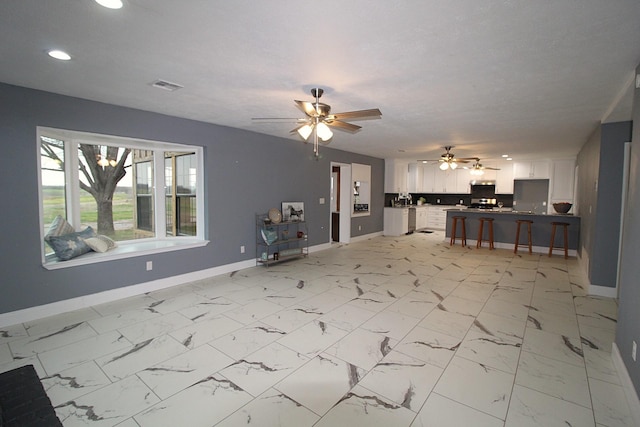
pixel 278 119
pixel 349 127
pixel 355 115
pixel 307 107
pixel 492 169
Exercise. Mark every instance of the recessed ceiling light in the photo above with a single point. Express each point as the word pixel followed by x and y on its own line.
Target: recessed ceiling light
pixel 505 155
pixel 509 158
pixel 111 4
pixel 59 54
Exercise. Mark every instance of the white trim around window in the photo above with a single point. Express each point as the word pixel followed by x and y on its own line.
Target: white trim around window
pixel 129 248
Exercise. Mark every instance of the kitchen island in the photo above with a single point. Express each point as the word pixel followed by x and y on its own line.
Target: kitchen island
pixel 504 229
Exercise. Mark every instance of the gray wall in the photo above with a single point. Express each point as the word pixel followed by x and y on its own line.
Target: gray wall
pixel 245 173
pixel 629 303
pixel 530 195
pixel 600 161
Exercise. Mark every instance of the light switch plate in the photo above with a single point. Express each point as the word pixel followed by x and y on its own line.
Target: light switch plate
pixel 321 200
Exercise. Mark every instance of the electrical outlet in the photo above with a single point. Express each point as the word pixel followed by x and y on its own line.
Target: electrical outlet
pixel 634 347
pixel 359 227
pixel 321 200
pixel 149 265
pixel 242 249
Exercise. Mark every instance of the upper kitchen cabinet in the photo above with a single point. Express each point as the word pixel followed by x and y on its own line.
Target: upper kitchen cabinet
pixel 504 177
pixel 395 176
pixel 444 181
pixel 415 179
pixel 562 181
pixel 463 181
pixel 538 169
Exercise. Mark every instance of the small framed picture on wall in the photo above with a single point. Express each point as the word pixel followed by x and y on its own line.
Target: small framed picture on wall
pixel 293 211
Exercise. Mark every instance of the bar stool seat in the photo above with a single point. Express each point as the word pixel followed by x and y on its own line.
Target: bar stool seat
pixel 528 223
pixel 565 226
pixel 489 222
pixel 454 223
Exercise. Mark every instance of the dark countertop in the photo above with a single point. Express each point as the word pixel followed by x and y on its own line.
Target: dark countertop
pixel 509 211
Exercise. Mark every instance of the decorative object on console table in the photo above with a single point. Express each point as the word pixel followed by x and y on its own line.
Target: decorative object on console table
pixel 277 242
pixel 293 211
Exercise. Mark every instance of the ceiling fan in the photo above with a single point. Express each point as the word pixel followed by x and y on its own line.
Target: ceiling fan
pixel 449 161
pixel 478 169
pixel 319 120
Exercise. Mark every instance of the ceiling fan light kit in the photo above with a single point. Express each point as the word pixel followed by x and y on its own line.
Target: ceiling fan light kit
pixel 319 120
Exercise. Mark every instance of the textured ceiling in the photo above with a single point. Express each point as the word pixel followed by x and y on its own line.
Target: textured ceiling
pixel 526 78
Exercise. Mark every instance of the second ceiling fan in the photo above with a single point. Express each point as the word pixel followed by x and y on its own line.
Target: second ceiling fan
pixel 449 161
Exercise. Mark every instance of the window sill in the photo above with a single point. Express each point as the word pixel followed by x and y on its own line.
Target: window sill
pixel 127 250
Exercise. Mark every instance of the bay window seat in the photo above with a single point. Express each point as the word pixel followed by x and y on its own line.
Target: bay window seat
pixel 128 249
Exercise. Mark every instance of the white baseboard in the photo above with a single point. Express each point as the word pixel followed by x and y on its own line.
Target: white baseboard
pixel 365 237
pixel 603 291
pixel 627 385
pixel 59 307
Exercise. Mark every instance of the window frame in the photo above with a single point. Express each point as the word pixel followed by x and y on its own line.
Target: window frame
pixel 127 248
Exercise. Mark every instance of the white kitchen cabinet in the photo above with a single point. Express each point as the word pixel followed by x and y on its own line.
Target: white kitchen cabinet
pixel 537 169
pixel 396 221
pixel 421 217
pixel 428 178
pixel 437 217
pixel 504 177
pixel 395 176
pixel 562 180
pixel 463 181
pixel 415 179
pixel 444 181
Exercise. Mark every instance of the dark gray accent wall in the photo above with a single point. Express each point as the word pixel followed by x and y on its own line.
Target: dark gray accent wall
pixel 600 199
pixel 629 313
pixel 245 173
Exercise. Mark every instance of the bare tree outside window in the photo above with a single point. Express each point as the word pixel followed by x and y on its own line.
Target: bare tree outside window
pixel 101 167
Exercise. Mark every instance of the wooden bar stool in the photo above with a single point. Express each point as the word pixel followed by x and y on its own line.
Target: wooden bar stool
pixel 454 223
pixel 565 225
pixel 519 222
pixel 480 230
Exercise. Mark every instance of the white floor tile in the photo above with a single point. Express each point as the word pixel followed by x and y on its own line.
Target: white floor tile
pixel 272 408
pixel 321 382
pixel 442 412
pixel 530 408
pixel 481 387
pixel 361 407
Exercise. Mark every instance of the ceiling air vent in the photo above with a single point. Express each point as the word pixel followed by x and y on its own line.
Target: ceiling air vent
pixel 163 84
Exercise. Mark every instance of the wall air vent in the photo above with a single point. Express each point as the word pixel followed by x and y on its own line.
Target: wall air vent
pixel 163 84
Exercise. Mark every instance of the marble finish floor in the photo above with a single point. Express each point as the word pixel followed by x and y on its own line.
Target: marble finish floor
pixel 404 331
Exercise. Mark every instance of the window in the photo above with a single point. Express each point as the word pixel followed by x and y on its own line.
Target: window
pixel 109 183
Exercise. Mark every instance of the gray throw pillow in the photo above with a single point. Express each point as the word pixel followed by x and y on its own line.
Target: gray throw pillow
pixel 71 245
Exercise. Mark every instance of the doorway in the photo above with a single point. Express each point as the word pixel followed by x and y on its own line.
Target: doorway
pixel 340 203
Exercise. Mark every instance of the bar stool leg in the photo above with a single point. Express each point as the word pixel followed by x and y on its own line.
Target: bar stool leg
pixel 553 238
pixel 454 222
pixel 490 235
pixel 515 249
pixel 479 243
pixel 464 234
pixel 529 237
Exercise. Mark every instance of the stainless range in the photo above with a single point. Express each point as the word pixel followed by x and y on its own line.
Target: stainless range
pixel 483 203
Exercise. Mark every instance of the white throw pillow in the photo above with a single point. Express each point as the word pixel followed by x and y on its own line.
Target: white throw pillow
pixel 100 243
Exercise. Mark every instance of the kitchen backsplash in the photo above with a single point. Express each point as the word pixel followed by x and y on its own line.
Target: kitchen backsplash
pixel 446 199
